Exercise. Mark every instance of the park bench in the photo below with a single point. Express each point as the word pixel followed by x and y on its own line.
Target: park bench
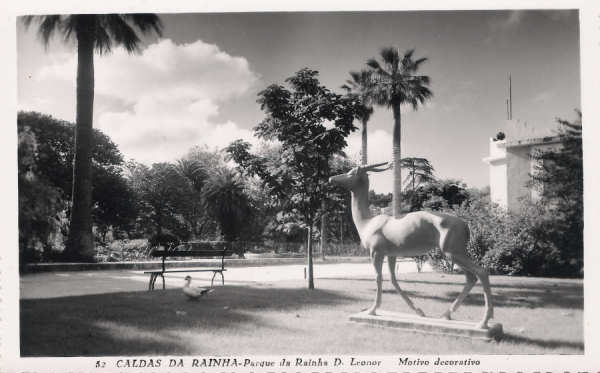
pixel 190 250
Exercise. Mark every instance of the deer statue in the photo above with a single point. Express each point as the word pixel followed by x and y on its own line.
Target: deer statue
pixel 413 234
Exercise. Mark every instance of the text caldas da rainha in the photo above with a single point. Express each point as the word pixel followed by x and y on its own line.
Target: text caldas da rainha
pixel 237 362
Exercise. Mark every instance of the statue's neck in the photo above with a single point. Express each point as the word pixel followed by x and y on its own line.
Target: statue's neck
pixel 360 205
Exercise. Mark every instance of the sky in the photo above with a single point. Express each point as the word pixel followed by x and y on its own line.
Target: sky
pixel 198 83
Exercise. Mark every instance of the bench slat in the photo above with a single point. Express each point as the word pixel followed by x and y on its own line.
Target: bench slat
pixel 188 270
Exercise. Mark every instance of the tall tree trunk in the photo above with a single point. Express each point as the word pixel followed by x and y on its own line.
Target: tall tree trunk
pixel 309 250
pixel 342 229
pixel 396 156
pixel 364 158
pixel 323 230
pixel 80 244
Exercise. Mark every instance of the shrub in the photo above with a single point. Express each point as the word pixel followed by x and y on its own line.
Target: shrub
pixel 165 240
pixel 345 249
pixel 124 250
pixel 439 262
pixel 521 243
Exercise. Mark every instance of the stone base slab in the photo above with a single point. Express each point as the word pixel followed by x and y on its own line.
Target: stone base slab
pixel 414 323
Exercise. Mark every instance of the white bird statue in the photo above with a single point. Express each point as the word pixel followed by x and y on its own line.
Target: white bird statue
pixel 194 293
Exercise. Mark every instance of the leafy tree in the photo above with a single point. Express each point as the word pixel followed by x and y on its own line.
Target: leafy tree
pixel 558 176
pixel 359 87
pixel 395 83
pixel 379 199
pixel 311 123
pixel 114 208
pixel 40 203
pixel 162 198
pixel 438 194
pixel 92 33
pixel 113 201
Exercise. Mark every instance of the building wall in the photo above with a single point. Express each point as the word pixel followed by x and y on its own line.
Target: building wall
pixel 498 193
pixel 519 164
pixel 510 165
pixel 498 174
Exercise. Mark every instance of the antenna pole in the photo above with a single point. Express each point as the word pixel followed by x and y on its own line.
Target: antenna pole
pixel 509 97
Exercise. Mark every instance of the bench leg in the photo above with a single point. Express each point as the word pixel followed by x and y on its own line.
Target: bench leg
pixel 213 278
pixel 152 280
pixel 153 277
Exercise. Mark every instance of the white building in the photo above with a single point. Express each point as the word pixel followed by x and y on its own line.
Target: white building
pixel 511 163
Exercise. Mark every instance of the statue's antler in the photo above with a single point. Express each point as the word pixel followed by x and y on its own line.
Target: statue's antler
pixel 375 167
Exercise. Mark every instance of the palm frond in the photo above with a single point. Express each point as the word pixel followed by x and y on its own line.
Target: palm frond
pixel 102 29
pixel 121 32
pixel 146 22
pixel 48 25
pixel 419 62
pixel 103 42
pixel 374 64
pixel 390 57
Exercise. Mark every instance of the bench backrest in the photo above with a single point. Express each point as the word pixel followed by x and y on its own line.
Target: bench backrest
pixel 204 251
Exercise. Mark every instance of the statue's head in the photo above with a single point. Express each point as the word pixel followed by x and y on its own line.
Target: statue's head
pixel 358 175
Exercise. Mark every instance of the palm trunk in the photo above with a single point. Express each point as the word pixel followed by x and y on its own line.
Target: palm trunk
pixel 364 158
pixel 309 250
pixel 80 243
pixel 323 230
pixel 396 156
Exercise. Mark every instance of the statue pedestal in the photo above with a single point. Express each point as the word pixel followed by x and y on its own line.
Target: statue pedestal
pixel 414 323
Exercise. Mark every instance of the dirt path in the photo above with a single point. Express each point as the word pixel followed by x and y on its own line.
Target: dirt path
pixel 59 284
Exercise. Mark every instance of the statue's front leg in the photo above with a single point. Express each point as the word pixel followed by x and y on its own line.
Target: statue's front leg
pixel 378 265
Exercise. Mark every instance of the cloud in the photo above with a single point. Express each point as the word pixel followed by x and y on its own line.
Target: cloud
pixel 169 93
pixel 542 96
pixel 504 23
pixel 379 149
pixel 510 21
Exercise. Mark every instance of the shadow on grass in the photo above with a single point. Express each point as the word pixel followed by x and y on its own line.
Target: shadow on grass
pixel 553 295
pixel 460 280
pixel 544 343
pixel 526 298
pixel 155 322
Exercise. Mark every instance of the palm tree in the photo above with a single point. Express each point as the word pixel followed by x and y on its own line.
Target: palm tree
pixel 419 171
pixel 225 198
pixel 359 86
pixel 92 33
pixel 395 83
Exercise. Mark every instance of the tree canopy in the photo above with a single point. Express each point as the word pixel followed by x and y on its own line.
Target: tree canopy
pixel 46 152
pixel 558 176
pixel 311 123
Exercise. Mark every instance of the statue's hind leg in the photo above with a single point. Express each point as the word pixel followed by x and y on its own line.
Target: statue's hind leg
pixel 392 267
pixel 470 282
pixel 482 275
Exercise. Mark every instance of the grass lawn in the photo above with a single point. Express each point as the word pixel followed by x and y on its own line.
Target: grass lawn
pixel 540 316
